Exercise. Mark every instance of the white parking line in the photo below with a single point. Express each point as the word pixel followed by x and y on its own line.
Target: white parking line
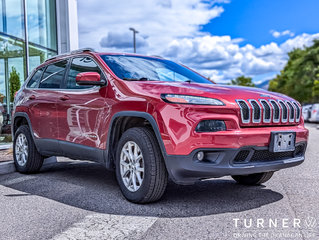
pixel 106 226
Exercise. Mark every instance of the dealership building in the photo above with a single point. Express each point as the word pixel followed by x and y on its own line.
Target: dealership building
pixel 30 32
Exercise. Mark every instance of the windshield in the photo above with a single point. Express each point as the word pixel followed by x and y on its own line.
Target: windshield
pixel 136 68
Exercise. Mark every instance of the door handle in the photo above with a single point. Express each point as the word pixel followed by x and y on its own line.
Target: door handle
pixel 65 98
pixel 32 97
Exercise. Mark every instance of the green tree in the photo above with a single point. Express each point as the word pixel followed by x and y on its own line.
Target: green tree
pixel 14 83
pixel 243 81
pixel 299 77
pixel 315 90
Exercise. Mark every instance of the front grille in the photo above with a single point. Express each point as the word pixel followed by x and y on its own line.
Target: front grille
pixel 300 150
pixel 267 156
pixel 241 156
pixel 268 111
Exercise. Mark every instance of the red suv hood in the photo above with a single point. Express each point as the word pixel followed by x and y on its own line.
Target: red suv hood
pixel 225 93
pixel 228 95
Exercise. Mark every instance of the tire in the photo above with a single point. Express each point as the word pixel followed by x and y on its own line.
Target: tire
pixel 253 179
pixel 154 175
pixel 32 161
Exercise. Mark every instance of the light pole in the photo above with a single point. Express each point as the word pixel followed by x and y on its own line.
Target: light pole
pixel 134 38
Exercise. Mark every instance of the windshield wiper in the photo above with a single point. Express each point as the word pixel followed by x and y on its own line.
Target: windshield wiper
pixel 137 79
pixel 188 81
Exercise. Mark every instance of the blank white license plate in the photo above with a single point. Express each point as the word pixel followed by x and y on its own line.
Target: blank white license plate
pixel 283 141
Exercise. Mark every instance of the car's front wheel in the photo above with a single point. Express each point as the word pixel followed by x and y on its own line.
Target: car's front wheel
pixel 140 169
pixel 26 157
pixel 253 179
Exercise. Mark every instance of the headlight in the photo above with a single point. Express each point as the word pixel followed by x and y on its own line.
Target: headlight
pixel 188 99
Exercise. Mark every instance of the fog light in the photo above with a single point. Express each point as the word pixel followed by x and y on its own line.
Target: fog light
pixel 200 156
pixel 211 126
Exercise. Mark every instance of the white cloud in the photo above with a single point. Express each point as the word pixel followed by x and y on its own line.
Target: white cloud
pixel 222 59
pixel 122 41
pixel 277 34
pixel 300 41
pixel 160 21
pixel 171 28
pixel 224 56
pixel 268 49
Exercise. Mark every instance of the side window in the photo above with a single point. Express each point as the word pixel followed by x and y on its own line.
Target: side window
pixel 33 82
pixel 79 65
pixel 53 75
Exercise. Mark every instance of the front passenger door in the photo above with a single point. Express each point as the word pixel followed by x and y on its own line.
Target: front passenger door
pixel 82 110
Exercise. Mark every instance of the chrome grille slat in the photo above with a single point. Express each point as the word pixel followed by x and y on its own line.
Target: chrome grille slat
pixel 256 111
pixel 284 110
pixel 298 111
pixel 244 110
pixel 291 111
pixel 276 111
pixel 267 111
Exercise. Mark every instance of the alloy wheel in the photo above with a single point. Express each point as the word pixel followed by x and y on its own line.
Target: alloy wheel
pixel 132 166
pixel 21 149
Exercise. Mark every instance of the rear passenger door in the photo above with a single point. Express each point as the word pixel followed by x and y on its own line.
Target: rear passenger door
pixel 43 104
pixel 82 110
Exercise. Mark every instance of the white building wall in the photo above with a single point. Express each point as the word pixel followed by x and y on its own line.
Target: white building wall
pixel 73 25
pixel 67 25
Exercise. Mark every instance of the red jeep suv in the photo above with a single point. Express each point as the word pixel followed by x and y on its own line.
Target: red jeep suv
pixel 149 119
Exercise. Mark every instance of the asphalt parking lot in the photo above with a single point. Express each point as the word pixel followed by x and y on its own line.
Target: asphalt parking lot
pixel 81 200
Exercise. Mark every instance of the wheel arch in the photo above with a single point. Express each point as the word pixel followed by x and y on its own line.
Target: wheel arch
pixel 122 121
pixel 20 118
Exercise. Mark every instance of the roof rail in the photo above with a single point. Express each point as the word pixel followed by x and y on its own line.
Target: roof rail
pixel 81 50
pixel 157 56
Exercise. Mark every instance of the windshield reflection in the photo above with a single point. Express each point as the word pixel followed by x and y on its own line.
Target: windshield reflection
pixel 137 68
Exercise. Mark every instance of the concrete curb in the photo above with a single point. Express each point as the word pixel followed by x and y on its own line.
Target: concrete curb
pixel 5 146
pixel 8 167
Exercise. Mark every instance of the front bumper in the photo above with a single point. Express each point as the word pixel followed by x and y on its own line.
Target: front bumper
pixel 186 169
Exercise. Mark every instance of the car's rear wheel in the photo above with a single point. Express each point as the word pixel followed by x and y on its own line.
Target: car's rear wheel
pixel 253 179
pixel 26 157
pixel 140 169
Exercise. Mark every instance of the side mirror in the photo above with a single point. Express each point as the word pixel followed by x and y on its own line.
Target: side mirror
pixel 89 78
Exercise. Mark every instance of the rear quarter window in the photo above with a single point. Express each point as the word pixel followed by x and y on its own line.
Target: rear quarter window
pixel 33 83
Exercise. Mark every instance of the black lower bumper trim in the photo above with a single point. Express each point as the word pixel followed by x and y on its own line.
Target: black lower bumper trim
pixel 187 169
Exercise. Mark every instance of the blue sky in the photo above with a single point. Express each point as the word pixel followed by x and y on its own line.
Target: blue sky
pixel 222 39
pixel 253 19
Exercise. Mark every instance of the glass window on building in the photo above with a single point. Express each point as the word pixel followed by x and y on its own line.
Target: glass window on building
pixel 41 22
pixel 13 24
pixel 41 41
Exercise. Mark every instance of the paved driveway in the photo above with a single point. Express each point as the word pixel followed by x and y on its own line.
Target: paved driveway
pixel 81 200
